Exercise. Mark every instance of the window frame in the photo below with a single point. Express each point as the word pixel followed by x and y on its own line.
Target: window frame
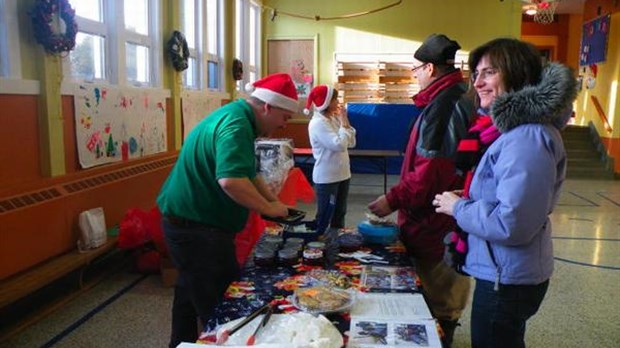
pixel 10 62
pixel 201 51
pixel 116 36
pixel 243 43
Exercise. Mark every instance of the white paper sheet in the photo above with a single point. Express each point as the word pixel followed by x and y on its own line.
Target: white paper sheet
pixel 391 306
pixel 392 320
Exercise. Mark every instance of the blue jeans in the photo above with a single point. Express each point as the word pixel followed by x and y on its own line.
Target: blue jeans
pixel 341 191
pixel 206 262
pixel 498 317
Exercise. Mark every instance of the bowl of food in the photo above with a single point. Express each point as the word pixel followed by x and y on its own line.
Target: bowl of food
pixel 378 234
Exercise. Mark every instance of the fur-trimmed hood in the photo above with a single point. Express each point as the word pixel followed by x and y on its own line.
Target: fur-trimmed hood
pixel 548 102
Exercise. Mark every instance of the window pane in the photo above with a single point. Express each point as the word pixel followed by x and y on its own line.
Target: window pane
pixel 189 75
pixel 137 16
pixel 189 22
pixel 213 75
pixel 212 27
pixel 252 76
pixel 253 33
pixel 88 58
pixel 238 22
pixel 90 9
pixel 137 63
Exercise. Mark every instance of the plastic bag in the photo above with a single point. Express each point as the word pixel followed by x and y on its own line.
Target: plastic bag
pixel 93 229
pixel 139 227
pixel 274 159
pixel 246 239
pixel 134 229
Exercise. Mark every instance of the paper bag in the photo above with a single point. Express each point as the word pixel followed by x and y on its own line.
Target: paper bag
pixel 93 230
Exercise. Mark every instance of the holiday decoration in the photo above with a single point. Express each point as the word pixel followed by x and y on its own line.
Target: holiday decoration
pixel 178 51
pixel 54 25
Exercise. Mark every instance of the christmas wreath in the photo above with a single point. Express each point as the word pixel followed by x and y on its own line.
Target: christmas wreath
pixel 178 51
pixel 47 27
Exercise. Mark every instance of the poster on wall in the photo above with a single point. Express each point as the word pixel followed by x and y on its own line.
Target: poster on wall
pixel 115 124
pixel 295 57
pixel 594 38
pixel 195 107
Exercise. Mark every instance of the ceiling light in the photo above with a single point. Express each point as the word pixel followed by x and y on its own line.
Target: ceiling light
pixel 530 10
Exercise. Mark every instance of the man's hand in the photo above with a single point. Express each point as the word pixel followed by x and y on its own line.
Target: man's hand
pixel 245 193
pixel 380 207
pixel 277 209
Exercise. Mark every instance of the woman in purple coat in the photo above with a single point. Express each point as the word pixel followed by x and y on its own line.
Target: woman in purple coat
pixel 515 187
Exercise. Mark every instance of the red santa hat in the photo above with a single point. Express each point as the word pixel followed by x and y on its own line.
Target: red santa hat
pixel 320 96
pixel 277 90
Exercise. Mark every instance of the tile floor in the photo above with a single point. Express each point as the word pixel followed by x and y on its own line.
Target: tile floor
pixel 581 309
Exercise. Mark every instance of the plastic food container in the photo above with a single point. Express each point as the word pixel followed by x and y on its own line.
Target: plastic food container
pixel 265 257
pixel 293 240
pixel 313 257
pixel 378 234
pixel 322 299
pixel 350 242
pixel 288 257
pixel 316 245
pixel 277 241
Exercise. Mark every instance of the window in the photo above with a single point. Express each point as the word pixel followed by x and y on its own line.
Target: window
pixel 10 66
pixel 214 32
pixel 204 64
pixel 247 47
pixel 190 14
pixel 116 42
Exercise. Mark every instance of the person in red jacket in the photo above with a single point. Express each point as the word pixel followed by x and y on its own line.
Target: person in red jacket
pixel 429 168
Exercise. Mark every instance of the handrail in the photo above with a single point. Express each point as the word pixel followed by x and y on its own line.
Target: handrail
pixel 601 113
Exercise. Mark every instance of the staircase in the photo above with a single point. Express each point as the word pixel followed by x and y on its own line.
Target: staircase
pixel 584 160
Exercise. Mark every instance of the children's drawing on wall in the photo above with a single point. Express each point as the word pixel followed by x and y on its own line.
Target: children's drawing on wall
pixel 302 77
pixel 195 106
pixel 296 57
pixel 115 124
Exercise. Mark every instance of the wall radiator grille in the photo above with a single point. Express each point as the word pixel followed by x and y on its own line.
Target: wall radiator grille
pixel 17 202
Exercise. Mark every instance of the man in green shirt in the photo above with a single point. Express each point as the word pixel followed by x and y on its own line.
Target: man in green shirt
pixel 209 192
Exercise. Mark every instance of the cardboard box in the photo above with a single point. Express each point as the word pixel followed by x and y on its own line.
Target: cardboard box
pixel 169 274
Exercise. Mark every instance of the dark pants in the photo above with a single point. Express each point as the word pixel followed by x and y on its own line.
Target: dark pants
pixel 205 259
pixel 340 190
pixel 498 317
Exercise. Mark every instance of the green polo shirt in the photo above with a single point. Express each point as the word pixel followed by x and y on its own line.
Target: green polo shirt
pixel 220 146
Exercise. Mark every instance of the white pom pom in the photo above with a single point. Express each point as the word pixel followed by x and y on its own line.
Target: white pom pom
pixel 249 87
pixel 306 111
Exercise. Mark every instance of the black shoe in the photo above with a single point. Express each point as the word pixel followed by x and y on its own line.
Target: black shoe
pixel 448 327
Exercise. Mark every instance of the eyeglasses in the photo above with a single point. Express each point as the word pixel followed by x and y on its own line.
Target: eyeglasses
pixel 484 74
pixel 416 68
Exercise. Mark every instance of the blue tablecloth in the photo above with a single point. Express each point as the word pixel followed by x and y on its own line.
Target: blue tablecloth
pixel 381 127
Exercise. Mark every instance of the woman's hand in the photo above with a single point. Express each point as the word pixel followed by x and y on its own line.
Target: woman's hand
pixel 444 203
pixel 343 118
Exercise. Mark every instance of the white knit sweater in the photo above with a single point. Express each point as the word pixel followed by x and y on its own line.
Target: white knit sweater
pixel 329 143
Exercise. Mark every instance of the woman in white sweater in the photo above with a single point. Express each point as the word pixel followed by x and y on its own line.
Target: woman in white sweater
pixel 331 135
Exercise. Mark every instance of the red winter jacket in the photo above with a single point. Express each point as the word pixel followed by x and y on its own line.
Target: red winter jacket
pixel 428 169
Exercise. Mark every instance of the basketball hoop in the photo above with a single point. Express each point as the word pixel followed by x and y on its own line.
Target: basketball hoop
pixel 545 9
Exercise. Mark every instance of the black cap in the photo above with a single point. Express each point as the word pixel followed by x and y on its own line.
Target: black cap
pixel 437 49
